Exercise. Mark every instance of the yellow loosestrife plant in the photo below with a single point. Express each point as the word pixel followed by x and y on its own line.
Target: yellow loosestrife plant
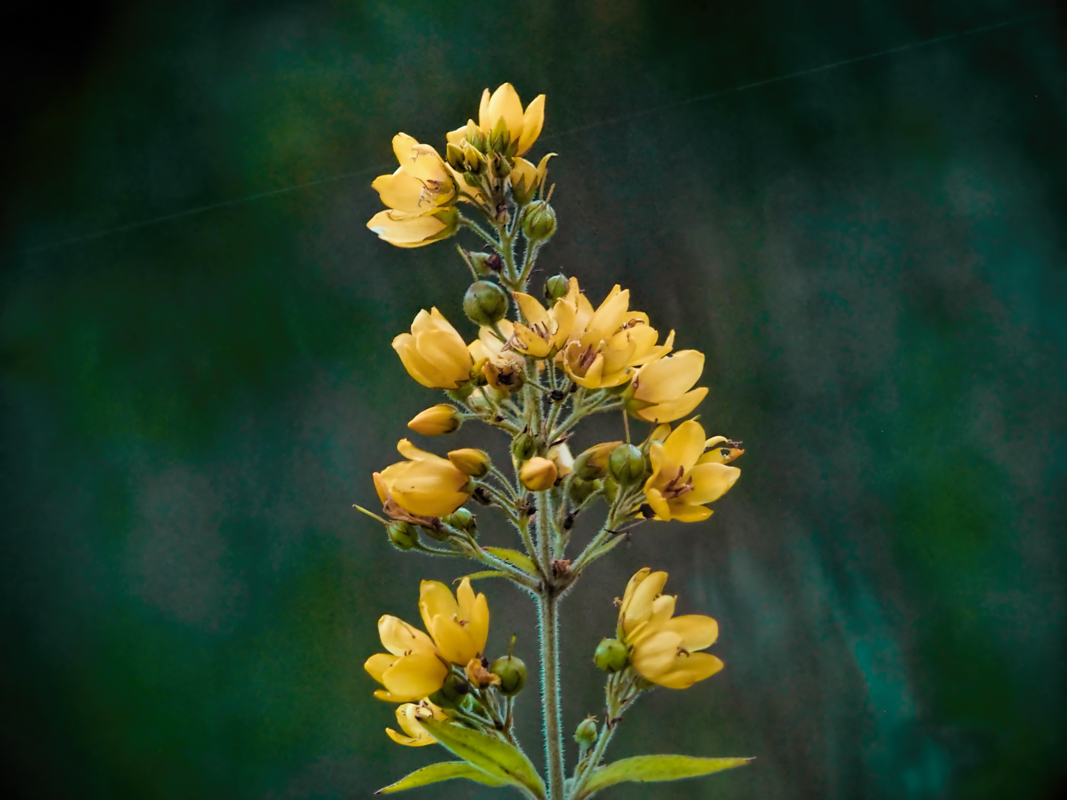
pixel 534 377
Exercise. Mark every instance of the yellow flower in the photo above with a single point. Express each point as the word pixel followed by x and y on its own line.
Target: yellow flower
pixel 421 195
pixel 433 353
pixel 546 330
pixel 503 369
pixel 459 625
pixel 664 646
pixel 684 477
pixel 526 179
pixel 661 390
pixel 416 665
pixel 502 112
pixel 426 485
pixel 411 670
pixel 606 344
pixel 408 716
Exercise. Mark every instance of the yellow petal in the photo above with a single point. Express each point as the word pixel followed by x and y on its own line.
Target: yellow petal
pixel 483 112
pixel 641 602
pixel 378 664
pixel 611 313
pixel 631 587
pixel 711 481
pixel 402 191
pixel 399 638
pixel 475 610
pixel 414 232
pixel 686 513
pixel 532 121
pixel 402 147
pixel 687 670
pixel 685 444
pixel 658 504
pixel 532 310
pixel 435 599
pixel 696 630
pixel 674 409
pixel 457 136
pixel 505 104
pixel 413 453
pixel 404 344
pixel 415 676
pixel 669 377
pixel 453 640
pixel 656 654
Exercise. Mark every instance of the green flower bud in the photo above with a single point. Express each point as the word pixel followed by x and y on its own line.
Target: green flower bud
pixel 524 447
pixel 488 264
pixel 499 167
pixel 540 221
pixel 485 303
pixel 452 693
pixel 626 465
pixel 592 464
pixel 454 156
pixel 474 136
pixel 612 656
pixel 586 733
pixel 402 535
pixel 579 490
pixel 611 489
pixel 556 287
pixel 473 161
pixel 463 519
pixel 512 673
pixel 499 136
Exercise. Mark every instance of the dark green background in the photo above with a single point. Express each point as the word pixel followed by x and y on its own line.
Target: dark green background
pixel 872 257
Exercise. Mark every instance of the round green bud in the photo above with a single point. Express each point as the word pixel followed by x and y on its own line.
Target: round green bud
pixel 402 535
pixel 452 693
pixel 461 518
pixel 512 673
pixel 626 465
pixel 579 490
pixel 612 656
pixel 485 303
pixel 586 733
pixel 539 222
pixel 524 447
pixel 556 287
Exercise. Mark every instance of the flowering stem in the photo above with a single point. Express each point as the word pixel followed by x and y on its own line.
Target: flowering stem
pixel 478 229
pixel 548 605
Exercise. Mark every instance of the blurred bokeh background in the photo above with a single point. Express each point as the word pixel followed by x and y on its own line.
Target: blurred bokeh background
pixel 873 257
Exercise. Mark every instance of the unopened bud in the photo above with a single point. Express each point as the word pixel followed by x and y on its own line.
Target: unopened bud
pixel 538 474
pixel 470 461
pixel 474 136
pixel 611 656
pixel 499 137
pixel 463 519
pixel 473 161
pixel 454 156
pixel 499 166
pixel 488 264
pixel 556 287
pixel 578 490
pixel 436 420
pixel 512 673
pixel 592 464
pixel 523 447
pixel 452 693
pixel 402 535
pixel 485 303
pixel 586 732
pixel 540 221
pixel 626 465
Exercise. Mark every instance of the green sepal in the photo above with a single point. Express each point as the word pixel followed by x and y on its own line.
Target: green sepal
pixel 444 771
pixel 515 558
pixel 645 769
pixel 496 758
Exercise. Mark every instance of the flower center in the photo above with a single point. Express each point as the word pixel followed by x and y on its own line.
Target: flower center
pixel 676 488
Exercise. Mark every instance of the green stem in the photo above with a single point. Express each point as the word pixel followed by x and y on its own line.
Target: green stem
pixel 478 229
pixel 550 692
pixel 549 637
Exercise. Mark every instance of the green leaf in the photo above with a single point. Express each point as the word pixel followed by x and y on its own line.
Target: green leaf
pixel 645 769
pixel 494 757
pixel 474 576
pixel 515 558
pixel 445 771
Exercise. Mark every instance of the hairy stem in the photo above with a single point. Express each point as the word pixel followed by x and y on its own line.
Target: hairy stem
pixel 548 605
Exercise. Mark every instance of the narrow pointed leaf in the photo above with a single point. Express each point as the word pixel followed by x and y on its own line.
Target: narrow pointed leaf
pixel 446 770
pixel 645 769
pixel 514 557
pixel 495 758
pixel 474 576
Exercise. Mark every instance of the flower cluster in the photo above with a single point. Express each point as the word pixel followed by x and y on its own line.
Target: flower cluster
pixel 533 368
